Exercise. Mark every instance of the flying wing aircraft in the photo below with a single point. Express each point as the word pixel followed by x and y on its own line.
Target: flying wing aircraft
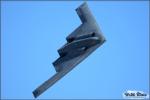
pixel 80 44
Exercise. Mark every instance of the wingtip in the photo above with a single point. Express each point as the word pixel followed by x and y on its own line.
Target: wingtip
pixel 35 94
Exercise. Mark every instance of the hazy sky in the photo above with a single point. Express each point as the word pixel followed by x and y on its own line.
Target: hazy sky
pixel 31 33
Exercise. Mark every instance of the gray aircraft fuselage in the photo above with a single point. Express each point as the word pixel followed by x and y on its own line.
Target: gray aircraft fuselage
pixel 80 44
